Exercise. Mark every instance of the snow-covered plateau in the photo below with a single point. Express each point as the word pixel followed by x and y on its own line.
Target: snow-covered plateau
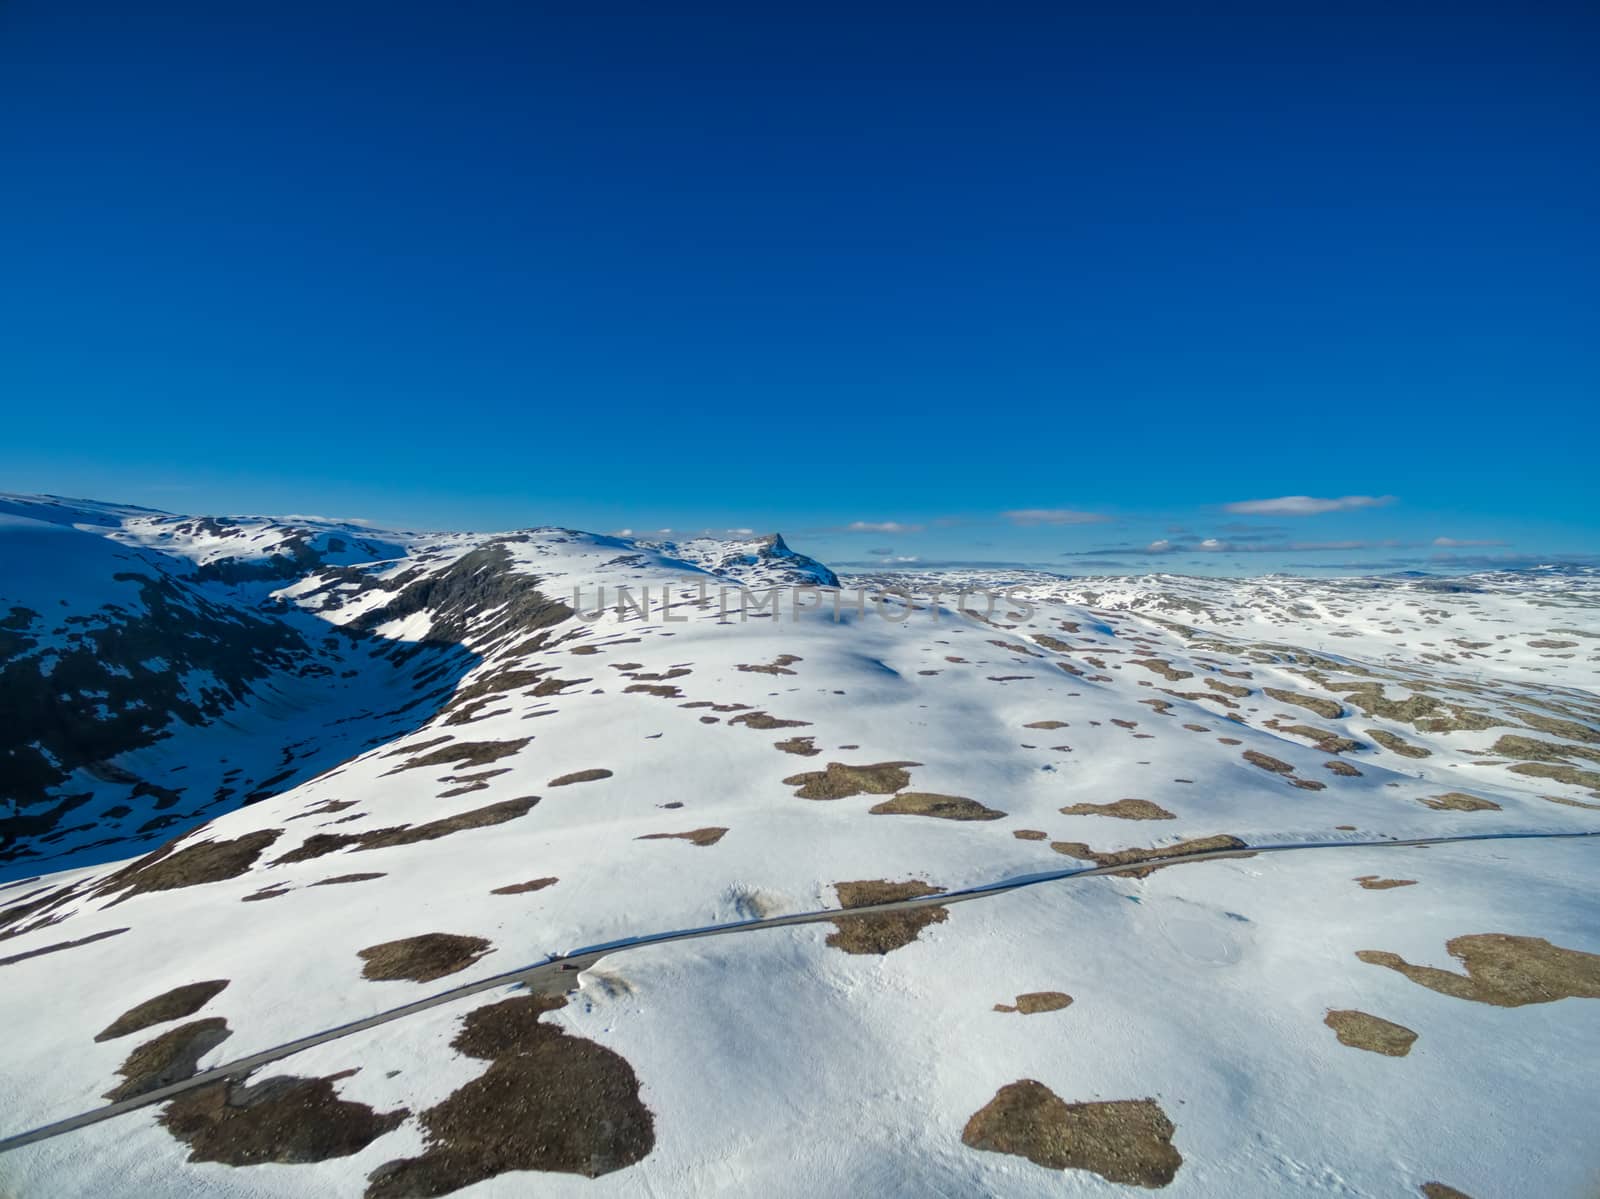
pixel 262 778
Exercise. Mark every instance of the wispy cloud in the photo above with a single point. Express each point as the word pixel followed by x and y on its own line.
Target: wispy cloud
pixel 877 526
pixel 1054 516
pixel 1217 545
pixel 1305 505
pixel 1461 543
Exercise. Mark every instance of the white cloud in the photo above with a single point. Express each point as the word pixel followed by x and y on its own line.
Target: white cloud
pixel 1053 516
pixel 879 526
pixel 1456 543
pixel 1306 505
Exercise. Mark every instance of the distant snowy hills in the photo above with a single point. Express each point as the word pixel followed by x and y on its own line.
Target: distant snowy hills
pixel 261 778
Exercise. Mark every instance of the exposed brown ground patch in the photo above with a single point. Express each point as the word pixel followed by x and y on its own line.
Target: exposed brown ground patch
pixel 1531 749
pixel 1052 643
pixel 659 690
pixel 318 844
pixel 882 932
pixel 1459 801
pixel 1267 762
pixel 422 958
pixel 1232 689
pixel 1342 768
pixel 1030 834
pixel 549 1101
pixel 839 781
pixel 465 753
pixel 760 720
pixel 1360 1030
pixel 699 836
pixel 1197 728
pixel 1313 703
pixel 172 1056
pixel 1122 809
pixel 1571 803
pixel 941 807
pixel 1047 724
pixel 1035 1002
pixel 192 866
pixel 1163 668
pixel 169 1005
pixel 283 1119
pixel 1503 970
pixel 779 665
pixel 340 879
pixel 1571 729
pixel 1398 745
pixel 1326 740
pixel 1438 1190
pixel 59 946
pixel 580 776
pixel 1560 774
pixel 1372 882
pixel 1125 1141
pixel 538 884
pixel 804 747
pixel 1077 849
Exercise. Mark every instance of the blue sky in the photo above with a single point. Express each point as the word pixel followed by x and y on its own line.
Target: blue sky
pixel 916 267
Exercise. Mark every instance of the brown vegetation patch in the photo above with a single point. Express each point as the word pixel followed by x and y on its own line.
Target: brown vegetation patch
pixel 1570 729
pixel 882 932
pixel 284 1119
pixel 1267 762
pixel 319 844
pixel 1052 643
pixel 941 807
pixel 1077 849
pixel 1197 728
pixel 1326 740
pixel 580 776
pixel 1122 809
pixel 760 720
pixel 1531 749
pixel 1342 768
pixel 779 665
pixel 659 690
pixel 422 958
pixel 1396 745
pixel 1232 689
pixel 340 879
pixel 1035 1002
pixel 1047 724
pixel 1030 834
pixel 1438 1190
pixel 1560 774
pixel 1326 708
pixel 1571 803
pixel 1125 1141
pixel 538 884
pixel 169 1005
pixel 804 747
pixel 839 781
pixel 1459 801
pixel 168 1058
pixel 549 1101
pixel 465 753
pixel 1163 668
pixel 699 836
pixel 204 862
pixel 1361 1030
pixel 1503 970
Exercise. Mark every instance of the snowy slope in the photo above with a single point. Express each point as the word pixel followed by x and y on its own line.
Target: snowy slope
pixel 578 776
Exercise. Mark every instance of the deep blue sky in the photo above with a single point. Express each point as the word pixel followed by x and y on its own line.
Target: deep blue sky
pixel 646 266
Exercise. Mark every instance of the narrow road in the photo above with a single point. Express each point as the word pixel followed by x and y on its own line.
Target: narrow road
pixel 560 973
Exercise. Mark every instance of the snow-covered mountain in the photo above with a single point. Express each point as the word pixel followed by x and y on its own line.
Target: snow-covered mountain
pixel 355 768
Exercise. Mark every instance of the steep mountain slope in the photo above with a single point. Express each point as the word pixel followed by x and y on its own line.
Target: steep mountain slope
pixel 575 774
